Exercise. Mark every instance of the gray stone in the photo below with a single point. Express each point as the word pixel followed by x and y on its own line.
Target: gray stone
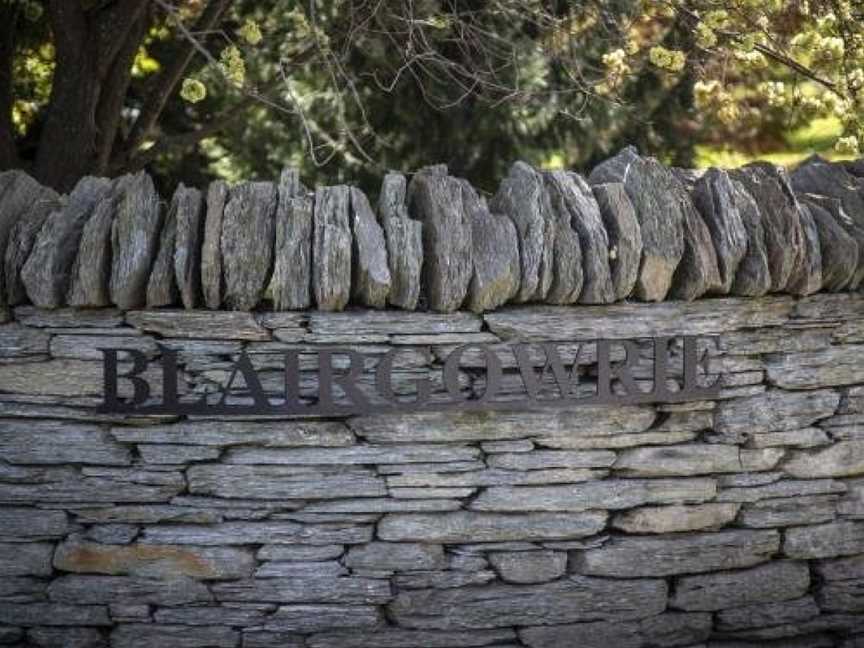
pixel 841 568
pixel 625 237
pixel 87 590
pixel 18 341
pixel 661 220
pixel 527 567
pixel 309 589
pixel 30 559
pixel 241 533
pixel 496 274
pixel 523 198
pixel 21 238
pixel 165 455
pixel 133 635
pixel 398 638
pixel 35 317
pixel 404 242
pixel 464 526
pixel 775 410
pixel 539 459
pixel 843 459
pixel 291 284
pixel 321 434
pixel 247 243
pixel 698 271
pixel 258 639
pixel 391 556
pixel 90 347
pixel 331 254
pixel 53 614
pixel 572 599
pixel 66 637
pixel 836 365
pixel 781 222
pixel 753 278
pixel 850 225
pixel 198 324
pixel 824 540
pixel 695 553
pixel 162 285
pixel 388 323
pixel 714 197
pixel 777 581
pixel 807 277
pixel 792 511
pixel 678 460
pixel 443 579
pixel 212 281
pixel 842 596
pixel 53 442
pixel 359 454
pixel 370 280
pixel 134 241
pixel 318 618
pixel 300 553
pixel 606 494
pixel 437 202
pixel 818 176
pixel 31 523
pixel 188 241
pixel 575 204
pixel 839 249
pixel 235 615
pixel 675 518
pixel 784 488
pixel 763 615
pixel 667 629
pixel 47 272
pixel 154 561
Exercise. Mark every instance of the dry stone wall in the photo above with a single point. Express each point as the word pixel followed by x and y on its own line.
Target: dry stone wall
pixel 731 521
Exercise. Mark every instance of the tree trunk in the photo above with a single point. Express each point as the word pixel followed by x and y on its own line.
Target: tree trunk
pixel 88 87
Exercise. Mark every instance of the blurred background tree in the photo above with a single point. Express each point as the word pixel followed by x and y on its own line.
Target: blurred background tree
pixel 346 89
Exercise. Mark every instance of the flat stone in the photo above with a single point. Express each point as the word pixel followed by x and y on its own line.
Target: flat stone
pixel 698 272
pixel 714 198
pixel 841 568
pixel 87 590
pixel 753 277
pixel 319 618
pixel 176 455
pixel 332 253
pixel 246 244
pixel 241 533
pixel 437 201
pixel 464 526
pixel 502 425
pixel 291 284
pixel 258 639
pixel 675 518
pixel 21 238
pixel 360 454
pixel 66 637
pixel 398 638
pixel 667 629
pixel 824 540
pixel 389 556
pixel 404 242
pixel 300 553
pixel 31 559
pixel 842 596
pixel 625 236
pixel 53 442
pixel 790 511
pixel 605 494
pixel 212 281
pixel 282 482
pixel 223 615
pixel 572 599
pixel 843 459
pixel 528 567
pixel 196 324
pixel 695 553
pixel 188 242
pixel 661 218
pixel 775 410
pixel 523 198
pixel 576 206
pixel 539 459
pixel 162 286
pixel 148 514
pixel 807 277
pixel 370 280
pixel 381 505
pixel 849 223
pixel 784 488
pixel 781 222
pixel 496 267
pixel 839 249
pixel 388 323
pixel 46 274
pixel 777 581
pixel 134 241
pixel 678 460
pixel 92 269
pixel 35 317
pixel 322 434
pixel 53 614
pixel 764 615
pixel 31 523
pixel 834 366
pixel 154 561
pixel 18 341
pixel 310 589
pixel 134 635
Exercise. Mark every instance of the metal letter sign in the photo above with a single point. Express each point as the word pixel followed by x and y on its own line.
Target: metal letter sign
pixel 344 382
